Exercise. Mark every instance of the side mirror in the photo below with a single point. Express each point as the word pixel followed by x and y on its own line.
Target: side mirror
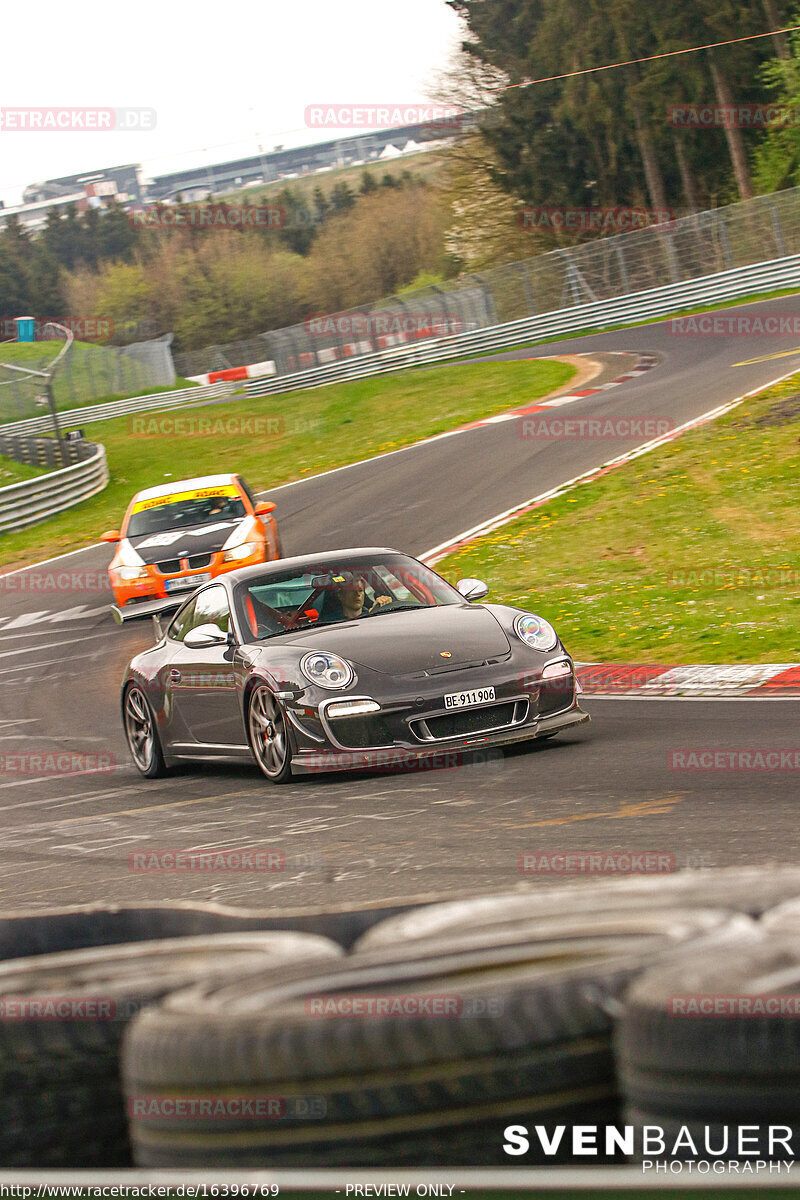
pixel 111 536
pixel 205 635
pixel 263 507
pixel 472 589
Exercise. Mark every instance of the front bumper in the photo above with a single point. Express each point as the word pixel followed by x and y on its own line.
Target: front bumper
pixel 136 598
pixel 308 762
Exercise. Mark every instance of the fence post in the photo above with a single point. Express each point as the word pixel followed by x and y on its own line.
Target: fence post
pixel 780 244
pixel 526 283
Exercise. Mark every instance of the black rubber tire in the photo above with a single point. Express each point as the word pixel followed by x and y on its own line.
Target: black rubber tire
pixel 529 1034
pixel 729 1069
pixel 61 1100
pixel 53 930
pixel 741 889
pixel 783 919
pixel 261 694
pixel 157 767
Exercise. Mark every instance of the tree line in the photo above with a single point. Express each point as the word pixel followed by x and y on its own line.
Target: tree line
pixel 581 137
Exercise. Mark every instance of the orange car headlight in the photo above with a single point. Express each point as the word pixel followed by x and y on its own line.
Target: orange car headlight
pixel 246 550
pixel 129 574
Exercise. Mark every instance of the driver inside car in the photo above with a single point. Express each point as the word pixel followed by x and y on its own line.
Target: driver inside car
pixel 348 601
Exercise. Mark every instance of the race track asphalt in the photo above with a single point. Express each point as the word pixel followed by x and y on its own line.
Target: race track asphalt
pixel 68 838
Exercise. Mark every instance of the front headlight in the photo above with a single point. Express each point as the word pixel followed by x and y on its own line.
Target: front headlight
pixel 327 670
pixel 536 632
pixel 247 550
pixel 130 573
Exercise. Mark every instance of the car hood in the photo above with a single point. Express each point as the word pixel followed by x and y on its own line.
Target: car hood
pixel 181 543
pixel 409 643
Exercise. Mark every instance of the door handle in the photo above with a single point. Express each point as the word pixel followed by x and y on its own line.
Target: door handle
pixel 174 675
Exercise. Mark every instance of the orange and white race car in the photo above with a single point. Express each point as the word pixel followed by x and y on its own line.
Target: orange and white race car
pixel 179 535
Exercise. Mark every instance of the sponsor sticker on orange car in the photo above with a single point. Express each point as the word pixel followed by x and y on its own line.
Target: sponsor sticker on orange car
pixel 176 497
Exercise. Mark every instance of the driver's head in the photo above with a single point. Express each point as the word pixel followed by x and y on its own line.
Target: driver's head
pixel 351 597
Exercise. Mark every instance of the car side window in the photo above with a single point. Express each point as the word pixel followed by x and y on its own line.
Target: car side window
pixel 182 623
pixel 212 608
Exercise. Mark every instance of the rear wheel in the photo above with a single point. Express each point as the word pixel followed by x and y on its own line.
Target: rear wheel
pixel 269 734
pixel 142 734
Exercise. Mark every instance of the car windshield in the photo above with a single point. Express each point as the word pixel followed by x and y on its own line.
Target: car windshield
pixel 279 601
pixel 180 511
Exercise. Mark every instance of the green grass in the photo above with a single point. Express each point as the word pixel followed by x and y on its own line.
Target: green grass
pixel 317 429
pixel 14 472
pixel 90 375
pixel 689 554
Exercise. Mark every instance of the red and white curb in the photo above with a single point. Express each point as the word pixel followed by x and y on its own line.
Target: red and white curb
pixel 252 371
pixel 752 681
pixel 644 362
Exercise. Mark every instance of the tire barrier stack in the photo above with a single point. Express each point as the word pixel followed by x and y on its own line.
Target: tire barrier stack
pixel 199 1036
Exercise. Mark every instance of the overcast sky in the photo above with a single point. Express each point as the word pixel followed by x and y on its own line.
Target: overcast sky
pixel 221 77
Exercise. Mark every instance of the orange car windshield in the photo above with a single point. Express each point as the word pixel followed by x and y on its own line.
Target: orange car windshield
pixel 185 512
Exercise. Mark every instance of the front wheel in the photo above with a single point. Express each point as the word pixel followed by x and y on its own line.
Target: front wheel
pixel 142 734
pixel 269 735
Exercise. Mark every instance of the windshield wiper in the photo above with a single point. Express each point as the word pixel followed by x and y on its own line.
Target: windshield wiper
pixel 397 608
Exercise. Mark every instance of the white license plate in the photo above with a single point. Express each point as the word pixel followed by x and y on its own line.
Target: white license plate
pixel 468 699
pixel 188 583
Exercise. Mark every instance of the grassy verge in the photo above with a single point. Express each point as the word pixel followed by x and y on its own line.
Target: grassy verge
pixel 689 554
pixel 90 375
pixel 14 472
pixel 274 439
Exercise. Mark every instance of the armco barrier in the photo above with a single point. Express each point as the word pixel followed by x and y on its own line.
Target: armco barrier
pixel 621 310
pixel 24 504
pixel 184 398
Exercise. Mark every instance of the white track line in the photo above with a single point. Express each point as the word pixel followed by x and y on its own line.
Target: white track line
pixel 431 557
pixel 347 466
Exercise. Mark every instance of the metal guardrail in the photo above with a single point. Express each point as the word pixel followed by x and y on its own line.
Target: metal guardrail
pixel 184 398
pixel 26 503
pixel 34 500
pixel 620 310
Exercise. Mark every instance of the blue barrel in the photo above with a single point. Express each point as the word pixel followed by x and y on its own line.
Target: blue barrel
pixel 26 329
